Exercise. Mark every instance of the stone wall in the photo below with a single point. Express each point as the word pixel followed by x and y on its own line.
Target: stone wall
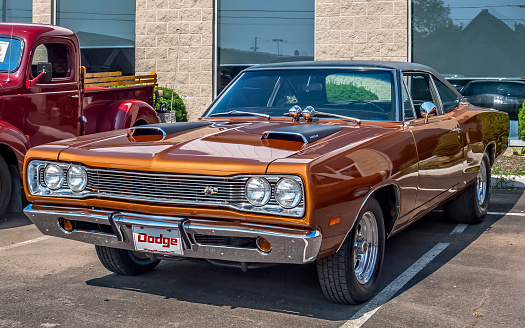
pixel 361 30
pixel 167 29
pixel 42 11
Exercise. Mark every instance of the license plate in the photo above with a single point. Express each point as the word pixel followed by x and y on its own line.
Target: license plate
pixel 154 240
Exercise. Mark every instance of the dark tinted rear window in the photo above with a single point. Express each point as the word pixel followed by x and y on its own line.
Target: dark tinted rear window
pixel 499 88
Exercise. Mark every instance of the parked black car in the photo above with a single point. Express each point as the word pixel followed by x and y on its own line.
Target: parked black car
pixel 507 96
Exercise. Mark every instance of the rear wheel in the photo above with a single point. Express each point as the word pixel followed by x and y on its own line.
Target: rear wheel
pixel 471 205
pixel 124 262
pixel 5 186
pixel 350 276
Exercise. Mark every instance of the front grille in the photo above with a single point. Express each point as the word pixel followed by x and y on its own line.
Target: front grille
pixel 166 187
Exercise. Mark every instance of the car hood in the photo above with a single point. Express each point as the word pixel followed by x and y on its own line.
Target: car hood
pixel 216 148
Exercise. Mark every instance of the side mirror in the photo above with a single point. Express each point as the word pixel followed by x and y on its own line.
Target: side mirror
pixel 45 74
pixel 426 109
pixel 47 69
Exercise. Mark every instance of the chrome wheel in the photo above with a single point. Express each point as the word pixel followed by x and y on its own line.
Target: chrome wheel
pixel 481 183
pixel 365 247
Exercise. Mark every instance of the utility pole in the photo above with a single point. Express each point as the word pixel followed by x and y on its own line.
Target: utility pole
pixel 254 45
pixel 279 42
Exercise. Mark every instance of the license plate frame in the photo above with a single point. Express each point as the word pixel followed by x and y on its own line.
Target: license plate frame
pixel 157 240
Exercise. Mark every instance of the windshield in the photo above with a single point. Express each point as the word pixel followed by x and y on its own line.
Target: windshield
pixel 10 54
pixel 366 95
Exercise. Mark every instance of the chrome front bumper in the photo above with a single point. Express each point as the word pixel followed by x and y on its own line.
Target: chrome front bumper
pixel 289 245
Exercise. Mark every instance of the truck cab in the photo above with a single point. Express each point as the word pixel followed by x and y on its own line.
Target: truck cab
pixel 46 95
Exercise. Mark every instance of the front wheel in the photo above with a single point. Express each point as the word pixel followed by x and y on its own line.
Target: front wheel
pixel 124 262
pixel 350 276
pixel 471 205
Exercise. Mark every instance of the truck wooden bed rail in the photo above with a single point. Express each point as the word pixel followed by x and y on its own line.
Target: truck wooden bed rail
pixel 111 79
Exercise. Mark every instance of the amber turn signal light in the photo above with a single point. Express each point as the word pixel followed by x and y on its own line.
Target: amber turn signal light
pixel 335 220
pixel 264 245
pixel 66 224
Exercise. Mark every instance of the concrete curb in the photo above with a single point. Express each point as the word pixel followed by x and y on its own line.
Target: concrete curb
pixel 508 181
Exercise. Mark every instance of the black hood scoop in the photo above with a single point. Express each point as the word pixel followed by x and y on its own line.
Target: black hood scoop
pixel 302 133
pixel 161 130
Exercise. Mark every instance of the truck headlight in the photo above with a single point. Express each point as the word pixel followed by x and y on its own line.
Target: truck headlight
pixel 53 176
pixel 258 191
pixel 76 178
pixel 288 193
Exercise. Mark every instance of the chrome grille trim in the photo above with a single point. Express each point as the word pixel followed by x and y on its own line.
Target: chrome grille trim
pixel 172 189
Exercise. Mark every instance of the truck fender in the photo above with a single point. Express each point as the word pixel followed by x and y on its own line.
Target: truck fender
pixel 13 147
pixel 125 114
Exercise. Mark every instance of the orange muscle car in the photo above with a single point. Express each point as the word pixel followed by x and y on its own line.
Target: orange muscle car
pixel 292 163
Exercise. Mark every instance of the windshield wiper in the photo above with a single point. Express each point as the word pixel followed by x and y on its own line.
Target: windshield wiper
pixel 348 118
pixel 236 112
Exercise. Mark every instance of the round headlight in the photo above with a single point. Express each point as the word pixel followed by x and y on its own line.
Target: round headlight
pixel 288 192
pixel 258 191
pixel 53 176
pixel 76 178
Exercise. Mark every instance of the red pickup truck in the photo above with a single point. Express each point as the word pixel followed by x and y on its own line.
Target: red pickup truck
pixel 46 96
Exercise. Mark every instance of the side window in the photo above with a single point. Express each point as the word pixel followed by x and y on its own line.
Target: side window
pixel 449 98
pixel 55 53
pixel 407 104
pixel 419 89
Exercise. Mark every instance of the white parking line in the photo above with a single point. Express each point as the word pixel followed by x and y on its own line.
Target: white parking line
pixel 459 229
pixel 386 294
pixel 27 242
pixel 506 213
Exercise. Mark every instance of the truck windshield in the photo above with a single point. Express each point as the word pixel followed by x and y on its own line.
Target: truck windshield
pixel 363 94
pixel 10 54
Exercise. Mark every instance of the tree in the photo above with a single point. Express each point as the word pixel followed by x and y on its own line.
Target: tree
pixel 430 16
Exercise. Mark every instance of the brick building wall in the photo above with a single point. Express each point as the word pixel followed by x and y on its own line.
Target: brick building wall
pixel 361 30
pixel 42 11
pixel 165 28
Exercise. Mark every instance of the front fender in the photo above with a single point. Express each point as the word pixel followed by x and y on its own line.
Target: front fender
pixel 124 114
pixel 13 144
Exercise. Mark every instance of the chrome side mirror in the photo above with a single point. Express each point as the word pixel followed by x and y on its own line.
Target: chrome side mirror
pixel 426 109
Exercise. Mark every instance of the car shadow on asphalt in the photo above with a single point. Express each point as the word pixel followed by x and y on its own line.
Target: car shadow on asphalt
pixel 14 220
pixel 294 289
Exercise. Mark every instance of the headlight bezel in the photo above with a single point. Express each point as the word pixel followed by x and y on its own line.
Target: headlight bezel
pixel 297 197
pixel 37 186
pixel 263 184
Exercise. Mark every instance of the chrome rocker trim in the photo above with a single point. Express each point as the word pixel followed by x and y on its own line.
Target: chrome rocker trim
pixel 289 245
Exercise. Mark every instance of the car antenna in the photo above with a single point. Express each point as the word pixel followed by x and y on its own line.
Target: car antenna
pixel 9 63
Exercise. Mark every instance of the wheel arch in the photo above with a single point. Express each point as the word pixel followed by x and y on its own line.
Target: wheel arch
pixel 490 149
pixel 387 195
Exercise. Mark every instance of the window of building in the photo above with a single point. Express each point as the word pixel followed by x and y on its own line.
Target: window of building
pixel 260 32
pixel 469 38
pixel 16 11
pixel 106 31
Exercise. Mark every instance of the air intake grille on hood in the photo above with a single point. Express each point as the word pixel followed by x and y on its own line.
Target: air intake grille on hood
pixel 303 133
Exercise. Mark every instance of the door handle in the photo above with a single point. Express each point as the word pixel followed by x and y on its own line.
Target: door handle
pixel 75 96
pixel 457 130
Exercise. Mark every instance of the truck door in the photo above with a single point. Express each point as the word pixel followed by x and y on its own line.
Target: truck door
pixel 53 108
pixel 439 143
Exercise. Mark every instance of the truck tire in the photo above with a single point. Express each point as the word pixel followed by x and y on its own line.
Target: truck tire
pixel 124 262
pixel 471 205
pixel 5 186
pixel 350 276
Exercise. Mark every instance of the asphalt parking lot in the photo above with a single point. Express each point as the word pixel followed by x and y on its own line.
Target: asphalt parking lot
pixel 436 274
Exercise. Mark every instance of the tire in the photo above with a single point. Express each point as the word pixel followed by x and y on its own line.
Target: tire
pixel 5 186
pixel 344 276
pixel 124 262
pixel 471 205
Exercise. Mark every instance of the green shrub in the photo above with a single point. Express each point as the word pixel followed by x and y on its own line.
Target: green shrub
pixel 521 122
pixel 178 104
